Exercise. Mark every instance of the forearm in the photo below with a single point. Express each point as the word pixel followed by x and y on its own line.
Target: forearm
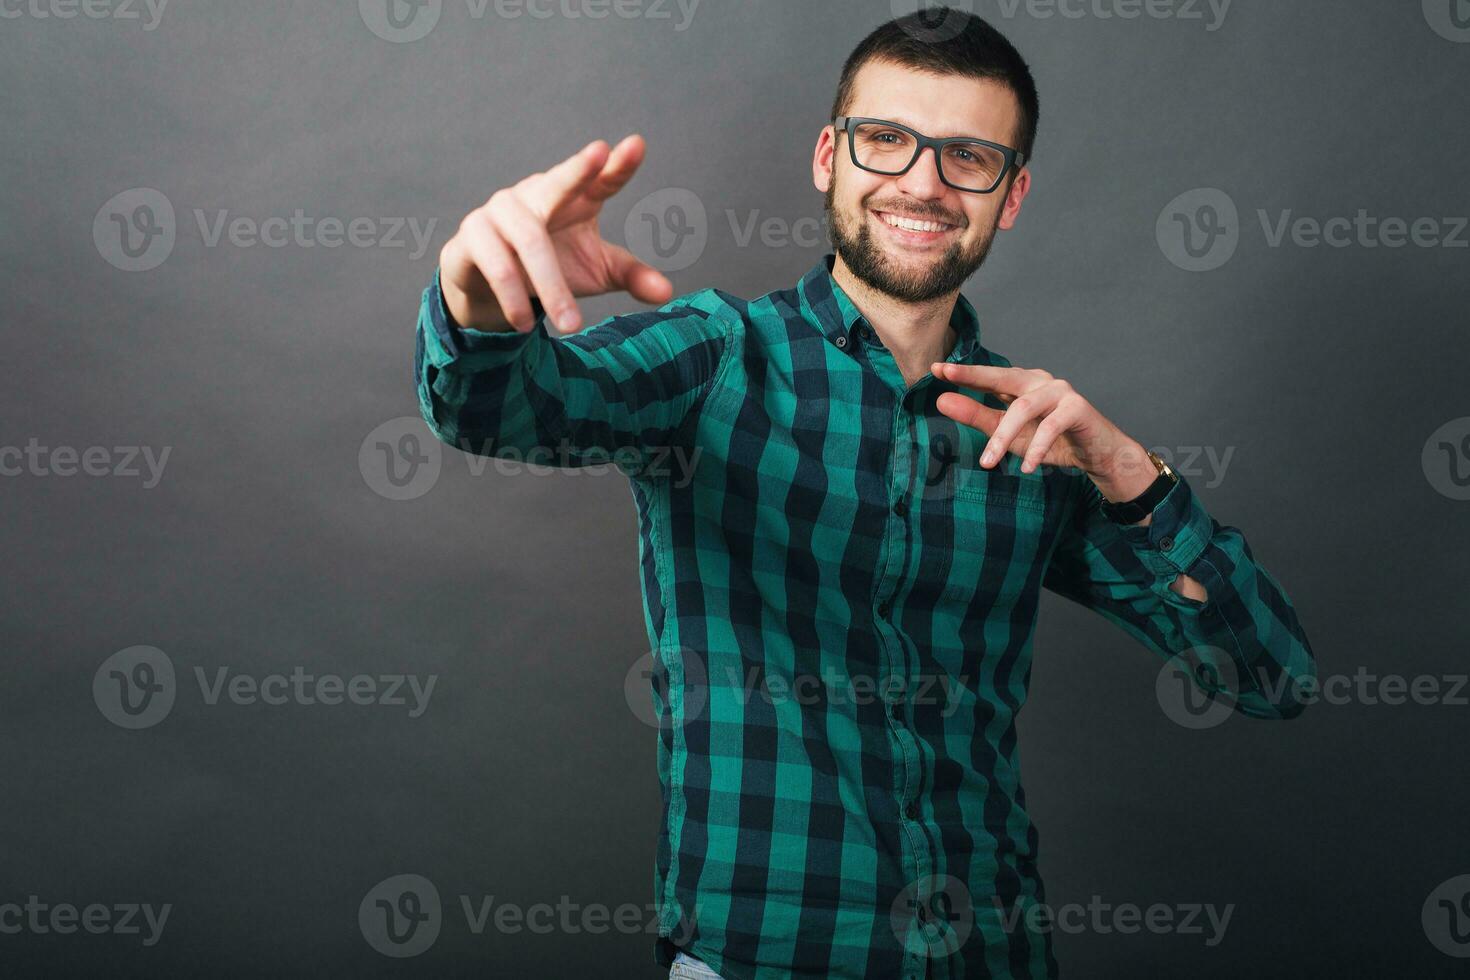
pixel 622 387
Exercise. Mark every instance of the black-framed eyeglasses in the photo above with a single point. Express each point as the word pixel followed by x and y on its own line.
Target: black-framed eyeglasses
pixel 965 163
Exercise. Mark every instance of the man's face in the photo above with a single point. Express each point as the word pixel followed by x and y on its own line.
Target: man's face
pixel 918 266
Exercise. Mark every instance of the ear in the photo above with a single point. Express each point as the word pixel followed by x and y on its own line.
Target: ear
pixel 822 158
pixel 1015 194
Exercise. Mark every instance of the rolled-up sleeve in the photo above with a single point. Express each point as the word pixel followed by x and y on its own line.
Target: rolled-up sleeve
pixel 1244 641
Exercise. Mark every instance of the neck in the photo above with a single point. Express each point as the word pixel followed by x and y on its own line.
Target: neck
pixel 916 334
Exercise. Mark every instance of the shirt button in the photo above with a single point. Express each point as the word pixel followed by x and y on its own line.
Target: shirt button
pixel 885 607
pixel 901 508
pixel 911 811
pixel 1165 543
pixel 841 341
pixel 894 709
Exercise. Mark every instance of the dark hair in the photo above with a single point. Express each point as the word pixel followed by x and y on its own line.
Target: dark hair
pixel 946 41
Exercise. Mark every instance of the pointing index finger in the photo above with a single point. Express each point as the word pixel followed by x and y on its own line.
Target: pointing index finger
pixel 618 169
pixel 561 182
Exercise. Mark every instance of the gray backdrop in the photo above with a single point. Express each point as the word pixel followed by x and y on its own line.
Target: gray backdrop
pixel 1312 390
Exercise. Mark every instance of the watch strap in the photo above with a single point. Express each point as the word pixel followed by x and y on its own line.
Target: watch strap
pixel 1135 510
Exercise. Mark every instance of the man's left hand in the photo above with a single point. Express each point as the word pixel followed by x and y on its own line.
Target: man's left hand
pixel 1046 423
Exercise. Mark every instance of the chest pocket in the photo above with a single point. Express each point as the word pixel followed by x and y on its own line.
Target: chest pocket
pixel 997 518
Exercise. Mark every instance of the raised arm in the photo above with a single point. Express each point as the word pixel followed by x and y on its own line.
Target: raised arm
pixel 494 373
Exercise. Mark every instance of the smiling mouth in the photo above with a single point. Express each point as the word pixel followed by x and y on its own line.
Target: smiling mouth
pixel 913 229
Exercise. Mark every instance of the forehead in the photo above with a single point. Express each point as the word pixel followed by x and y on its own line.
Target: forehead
pixel 935 105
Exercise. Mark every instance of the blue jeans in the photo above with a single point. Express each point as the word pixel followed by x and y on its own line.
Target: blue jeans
pixel 686 967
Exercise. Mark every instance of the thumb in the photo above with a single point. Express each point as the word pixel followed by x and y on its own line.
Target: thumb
pixel 631 274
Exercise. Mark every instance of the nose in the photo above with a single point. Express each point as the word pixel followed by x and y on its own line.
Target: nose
pixel 922 180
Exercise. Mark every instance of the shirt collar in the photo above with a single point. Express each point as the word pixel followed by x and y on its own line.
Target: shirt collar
pixel 831 310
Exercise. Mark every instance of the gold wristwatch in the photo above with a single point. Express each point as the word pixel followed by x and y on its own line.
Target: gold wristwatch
pixel 1135 510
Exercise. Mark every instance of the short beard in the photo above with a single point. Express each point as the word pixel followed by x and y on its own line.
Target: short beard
pixel 871 265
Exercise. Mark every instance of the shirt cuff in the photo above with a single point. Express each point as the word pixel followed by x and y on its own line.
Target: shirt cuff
pixel 1178 534
pixel 448 341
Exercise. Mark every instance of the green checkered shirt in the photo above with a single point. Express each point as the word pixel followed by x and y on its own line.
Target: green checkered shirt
pixel 840 604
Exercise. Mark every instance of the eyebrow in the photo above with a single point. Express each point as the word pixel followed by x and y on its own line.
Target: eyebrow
pixel 910 124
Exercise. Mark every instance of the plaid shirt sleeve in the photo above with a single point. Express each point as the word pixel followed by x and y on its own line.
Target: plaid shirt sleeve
pixel 1244 641
pixel 618 390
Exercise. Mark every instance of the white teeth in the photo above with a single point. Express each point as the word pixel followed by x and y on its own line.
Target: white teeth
pixel 908 224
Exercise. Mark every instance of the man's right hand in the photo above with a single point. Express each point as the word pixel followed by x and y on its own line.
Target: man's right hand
pixel 540 238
